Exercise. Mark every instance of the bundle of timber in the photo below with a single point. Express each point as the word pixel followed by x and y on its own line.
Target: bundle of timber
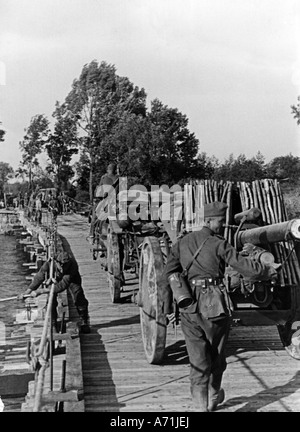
pixel 200 192
pixel 266 195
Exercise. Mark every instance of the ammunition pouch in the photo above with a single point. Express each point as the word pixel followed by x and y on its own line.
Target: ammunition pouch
pixel 212 298
pixel 205 296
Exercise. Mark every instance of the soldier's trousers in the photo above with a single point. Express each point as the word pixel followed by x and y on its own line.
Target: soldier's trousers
pixel 205 342
pixel 78 298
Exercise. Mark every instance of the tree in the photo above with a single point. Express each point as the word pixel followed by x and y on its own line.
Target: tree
pixel 153 149
pixel 2 133
pixel 206 166
pixel 174 148
pixel 285 167
pixel 96 103
pixel 61 146
pixel 130 143
pixel 242 169
pixel 5 173
pixel 33 143
pixel 82 173
pixel 42 179
pixel 296 111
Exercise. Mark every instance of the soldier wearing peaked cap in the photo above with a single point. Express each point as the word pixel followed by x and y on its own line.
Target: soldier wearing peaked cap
pixel 206 322
pixel 215 209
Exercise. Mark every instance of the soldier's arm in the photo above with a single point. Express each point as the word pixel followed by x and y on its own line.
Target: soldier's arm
pixel 63 284
pixel 244 265
pixel 40 277
pixel 173 265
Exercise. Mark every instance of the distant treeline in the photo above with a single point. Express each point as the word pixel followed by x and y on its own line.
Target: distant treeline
pixel 105 118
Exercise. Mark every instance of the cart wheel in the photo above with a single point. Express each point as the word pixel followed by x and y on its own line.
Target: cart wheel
pixel 114 266
pixel 153 321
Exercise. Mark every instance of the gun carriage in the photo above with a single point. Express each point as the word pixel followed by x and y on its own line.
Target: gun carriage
pixel 255 303
pixel 256 227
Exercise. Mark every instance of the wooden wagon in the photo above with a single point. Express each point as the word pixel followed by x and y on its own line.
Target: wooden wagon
pixel 118 237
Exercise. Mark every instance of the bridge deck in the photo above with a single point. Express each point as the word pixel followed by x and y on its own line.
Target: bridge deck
pixel 260 375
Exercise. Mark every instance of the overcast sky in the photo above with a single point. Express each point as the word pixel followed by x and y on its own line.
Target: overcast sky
pixel 232 66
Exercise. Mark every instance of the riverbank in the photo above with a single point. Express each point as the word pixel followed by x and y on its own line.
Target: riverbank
pixel 19 336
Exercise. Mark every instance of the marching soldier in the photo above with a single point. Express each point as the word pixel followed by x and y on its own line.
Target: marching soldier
pixel 206 322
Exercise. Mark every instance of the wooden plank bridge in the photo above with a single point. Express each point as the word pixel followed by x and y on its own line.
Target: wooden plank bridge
pixel 260 375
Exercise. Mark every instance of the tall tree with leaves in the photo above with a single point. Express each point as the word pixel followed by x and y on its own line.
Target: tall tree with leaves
pixel 2 133
pixel 154 149
pixel 285 167
pixel 61 146
pixel 205 167
pixel 97 101
pixel 296 111
pixel 124 143
pixel 5 172
pixel 36 135
pixel 242 168
pixel 174 147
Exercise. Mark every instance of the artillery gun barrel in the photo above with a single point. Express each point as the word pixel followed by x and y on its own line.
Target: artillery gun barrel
pixel 289 230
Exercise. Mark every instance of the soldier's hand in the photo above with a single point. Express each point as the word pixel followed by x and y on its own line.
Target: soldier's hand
pixel 247 249
pixel 171 318
pixel 41 291
pixel 50 281
pixel 274 277
pixel 277 266
pixel 24 294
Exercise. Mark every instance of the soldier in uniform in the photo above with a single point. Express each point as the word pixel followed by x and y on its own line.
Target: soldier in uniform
pixel 109 178
pixel 67 276
pixel 101 192
pixel 206 322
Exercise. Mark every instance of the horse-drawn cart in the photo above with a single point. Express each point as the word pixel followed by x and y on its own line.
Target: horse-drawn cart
pixel 119 240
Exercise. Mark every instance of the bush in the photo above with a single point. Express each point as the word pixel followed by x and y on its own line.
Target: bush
pixel 292 204
pixel 291 197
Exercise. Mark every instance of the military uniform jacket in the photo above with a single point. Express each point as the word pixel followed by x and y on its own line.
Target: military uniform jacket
pixel 70 275
pixel 106 180
pixel 212 259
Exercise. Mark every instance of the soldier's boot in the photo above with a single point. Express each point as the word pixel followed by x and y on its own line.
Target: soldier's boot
pixel 216 393
pixel 200 398
pixel 84 320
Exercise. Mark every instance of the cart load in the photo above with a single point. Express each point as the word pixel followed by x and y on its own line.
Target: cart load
pixel 256 224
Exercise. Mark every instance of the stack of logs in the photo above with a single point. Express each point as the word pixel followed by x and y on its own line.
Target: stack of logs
pixel 267 196
pixel 264 194
pixel 201 192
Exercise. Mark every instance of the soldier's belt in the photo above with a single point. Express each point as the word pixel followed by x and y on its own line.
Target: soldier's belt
pixel 204 282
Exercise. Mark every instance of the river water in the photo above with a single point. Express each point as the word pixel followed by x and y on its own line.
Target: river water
pixel 12 282
pixel 12 276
